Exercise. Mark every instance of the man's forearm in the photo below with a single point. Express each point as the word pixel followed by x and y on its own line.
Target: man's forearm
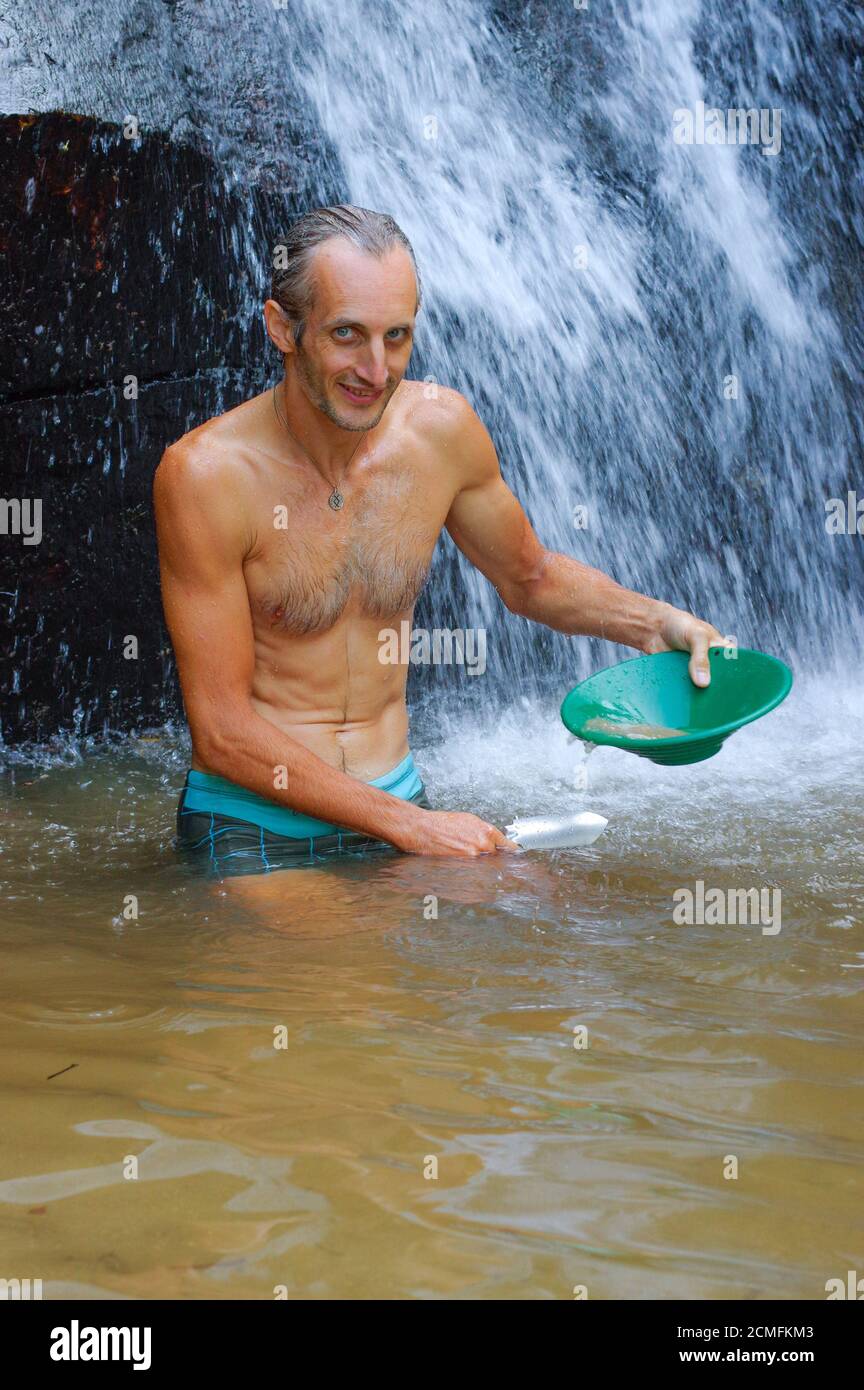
pixel 577 598
pixel 248 750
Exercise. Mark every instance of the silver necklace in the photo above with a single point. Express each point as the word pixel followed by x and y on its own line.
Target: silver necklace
pixel 335 500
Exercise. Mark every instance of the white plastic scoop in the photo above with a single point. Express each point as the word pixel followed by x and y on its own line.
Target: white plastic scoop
pixel 557 832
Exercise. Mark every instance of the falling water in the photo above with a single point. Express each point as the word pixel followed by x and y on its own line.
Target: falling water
pixel 660 338
pixel 595 285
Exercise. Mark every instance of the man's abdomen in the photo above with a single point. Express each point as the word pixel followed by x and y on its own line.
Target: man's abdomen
pixel 335 695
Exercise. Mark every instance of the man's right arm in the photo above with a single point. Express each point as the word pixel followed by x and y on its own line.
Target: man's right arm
pixel 202 544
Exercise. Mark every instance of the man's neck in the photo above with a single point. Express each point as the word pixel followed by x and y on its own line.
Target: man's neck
pixel 328 444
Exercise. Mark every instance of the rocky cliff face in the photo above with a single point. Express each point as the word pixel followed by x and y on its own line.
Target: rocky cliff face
pixel 131 277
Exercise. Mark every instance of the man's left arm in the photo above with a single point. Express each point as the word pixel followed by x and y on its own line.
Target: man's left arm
pixel 490 527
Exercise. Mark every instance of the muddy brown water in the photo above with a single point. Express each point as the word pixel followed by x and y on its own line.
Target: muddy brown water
pixel 286 1060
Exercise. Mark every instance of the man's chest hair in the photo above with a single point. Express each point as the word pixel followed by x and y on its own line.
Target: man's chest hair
pixel 377 550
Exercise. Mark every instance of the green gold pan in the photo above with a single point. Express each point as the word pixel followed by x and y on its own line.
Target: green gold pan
pixel 650 706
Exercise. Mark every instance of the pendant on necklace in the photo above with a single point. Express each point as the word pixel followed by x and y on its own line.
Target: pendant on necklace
pixel 336 500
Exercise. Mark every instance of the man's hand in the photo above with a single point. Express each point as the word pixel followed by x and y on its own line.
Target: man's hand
pixel 678 631
pixel 450 833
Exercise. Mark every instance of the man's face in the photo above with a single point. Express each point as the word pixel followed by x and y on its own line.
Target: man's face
pixel 359 332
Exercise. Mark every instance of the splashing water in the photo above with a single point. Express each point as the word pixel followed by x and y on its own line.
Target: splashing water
pixel 662 339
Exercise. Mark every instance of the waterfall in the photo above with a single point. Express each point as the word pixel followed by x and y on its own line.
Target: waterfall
pixel 663 339
pixel 650 331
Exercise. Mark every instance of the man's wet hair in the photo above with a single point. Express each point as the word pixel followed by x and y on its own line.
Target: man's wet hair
pixel 293 286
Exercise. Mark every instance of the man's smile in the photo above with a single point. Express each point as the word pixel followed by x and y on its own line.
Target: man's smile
pixel 360 395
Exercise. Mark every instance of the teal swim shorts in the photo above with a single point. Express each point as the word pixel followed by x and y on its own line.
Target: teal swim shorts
pixel 234 830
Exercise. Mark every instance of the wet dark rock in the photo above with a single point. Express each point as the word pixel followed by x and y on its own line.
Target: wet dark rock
pixel 126 259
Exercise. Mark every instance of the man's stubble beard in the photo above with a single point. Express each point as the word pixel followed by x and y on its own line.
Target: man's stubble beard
pixel 310 381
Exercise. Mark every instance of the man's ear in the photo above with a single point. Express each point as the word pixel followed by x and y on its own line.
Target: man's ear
pixel 279 328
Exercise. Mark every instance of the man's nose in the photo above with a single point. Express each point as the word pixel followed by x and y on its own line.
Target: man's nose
pixel 372 367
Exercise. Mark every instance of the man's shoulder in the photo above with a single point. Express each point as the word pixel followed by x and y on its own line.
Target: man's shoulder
pixel 217 433
pixel 440 412
pixel 446 420
pixel 209 452
pixel 199 493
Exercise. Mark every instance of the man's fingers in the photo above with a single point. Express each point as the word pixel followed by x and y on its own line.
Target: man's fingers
pixel 699 665
pixel 682 632
pixel 699 668
pixel 501 842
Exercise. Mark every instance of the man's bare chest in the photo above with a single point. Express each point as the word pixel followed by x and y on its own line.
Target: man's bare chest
pixel 310 563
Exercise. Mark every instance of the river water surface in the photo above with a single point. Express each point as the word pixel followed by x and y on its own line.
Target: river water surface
pixel 410 1038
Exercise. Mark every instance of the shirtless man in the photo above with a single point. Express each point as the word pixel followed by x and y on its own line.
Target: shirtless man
pixel 296 526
